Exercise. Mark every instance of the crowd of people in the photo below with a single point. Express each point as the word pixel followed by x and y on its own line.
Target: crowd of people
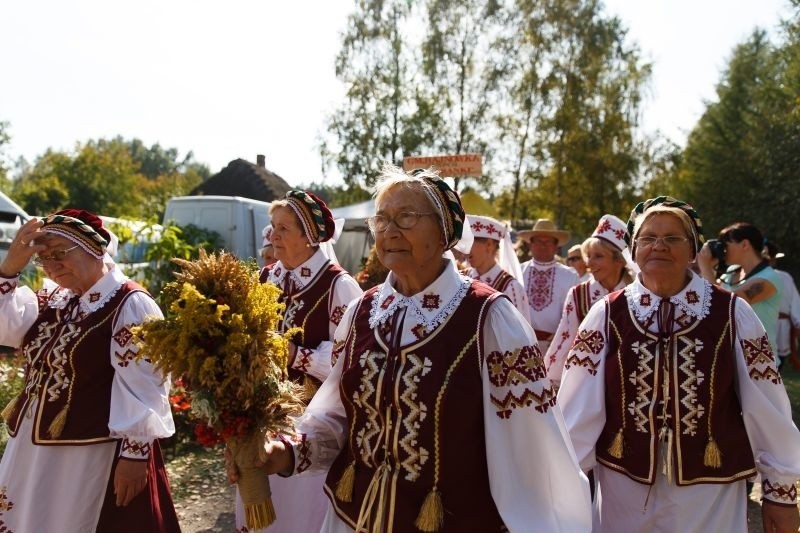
pixel 449 386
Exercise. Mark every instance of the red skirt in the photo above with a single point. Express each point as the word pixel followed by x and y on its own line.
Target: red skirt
pixel 150 511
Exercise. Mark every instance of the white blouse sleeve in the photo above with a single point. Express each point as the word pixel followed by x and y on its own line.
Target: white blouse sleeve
pixel 562 340
pixel 322 428
pixel 766 409
pixel 533 473
pixel 582 392
pixel 516 292
pixel 317 361
pixel 18 311
pixel 140 410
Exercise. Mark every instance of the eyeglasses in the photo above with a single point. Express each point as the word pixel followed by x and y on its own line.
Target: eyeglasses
pixel 58 255
pixel 403 220
pixel 669 241
pixel 574 258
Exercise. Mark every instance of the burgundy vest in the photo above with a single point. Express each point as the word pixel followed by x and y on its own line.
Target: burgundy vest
pixel 67 363
pixel 702 371
pixel 414 412
pixel 309 308
pixel 582 299
pixel 502 281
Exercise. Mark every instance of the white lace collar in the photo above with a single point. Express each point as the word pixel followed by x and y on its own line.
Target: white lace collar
pixel 301 275
pixel 90 301
pixel 429 307
pixel 694 299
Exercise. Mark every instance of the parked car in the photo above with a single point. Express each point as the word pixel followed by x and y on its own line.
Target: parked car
pixel 12 216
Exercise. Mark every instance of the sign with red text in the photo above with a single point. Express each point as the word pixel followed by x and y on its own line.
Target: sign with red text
pixel 454 165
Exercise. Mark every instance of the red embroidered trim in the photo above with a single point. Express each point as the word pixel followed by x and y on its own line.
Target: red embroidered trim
pixel 779 492
pixel 387 302
pixel 692 297
pixel 338 314
pixel 135 448
pixel 510 402
pixel 513 368
pixel 303 455
pixel 758 352
pixel 588 341
pixel 431 301
pixel 7 287
pixel 123 336
pixel 5 505
pixel 418 331
pixel 603 227
pixel 93 297
pixel 586 362
pixel 123 359
pixel 644 300
pixel 540 288
pixel 303 359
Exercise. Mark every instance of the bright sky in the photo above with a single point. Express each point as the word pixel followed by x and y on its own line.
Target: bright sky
pixel 238 78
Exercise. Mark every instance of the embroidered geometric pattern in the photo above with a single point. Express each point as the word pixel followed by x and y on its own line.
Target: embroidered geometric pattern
pixel 123 359
pixel 135 448
pixel 302 360
pixel 694 411
pixel 123 336
pixel 758 353
pixel 779 492
pixel 57 360
pixel 644 300
pixel 588 340
pixel 5 505
pixel 338 347
pixel 387 302
pixel 638 407
pixel 7 287
pixel 303 455
pixel 431 301
pixel 540 288
pixel 510 402
pixel 692 297
pixel 305 272
pixel 513 368
pixel 586 362
pixel 337 314
pixel 418 331
pixel 93 297
pixel 372 365
pixel 417 411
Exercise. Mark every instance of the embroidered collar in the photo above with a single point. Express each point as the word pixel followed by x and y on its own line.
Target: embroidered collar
pixel 489 277
pixel 427 308
pixel 90 301
pixel 301 275
pixel 545 265
pixel 694 299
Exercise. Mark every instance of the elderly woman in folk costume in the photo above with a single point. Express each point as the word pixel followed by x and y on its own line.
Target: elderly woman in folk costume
pixel 610 263
pixel 316 291
pixel 266 252
pixel 437 415
pixel 671 394
pixel 83 453
pixel 493 261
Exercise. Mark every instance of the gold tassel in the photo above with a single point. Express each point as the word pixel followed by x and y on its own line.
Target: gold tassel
pixel 57 425
pixel 9 409
pixel 259 515
pixel 431 514
pixel 344 488
pixel 615 450
pixel 713 455
pixel 309 388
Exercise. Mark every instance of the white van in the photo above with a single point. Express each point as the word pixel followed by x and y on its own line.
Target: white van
pixel 238 220
pixel 12 216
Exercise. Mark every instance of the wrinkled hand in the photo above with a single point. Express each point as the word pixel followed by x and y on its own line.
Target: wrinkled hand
pixel 130 478
pixel 779 518
pixel 276 459
pixel 22 248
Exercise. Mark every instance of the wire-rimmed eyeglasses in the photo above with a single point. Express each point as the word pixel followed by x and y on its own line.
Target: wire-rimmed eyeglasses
pixel 58 255
pixel 403 220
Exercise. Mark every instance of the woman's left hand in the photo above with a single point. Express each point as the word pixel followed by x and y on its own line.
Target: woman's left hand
pixel 130 478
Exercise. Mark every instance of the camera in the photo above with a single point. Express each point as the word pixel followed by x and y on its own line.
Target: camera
pixel 717 249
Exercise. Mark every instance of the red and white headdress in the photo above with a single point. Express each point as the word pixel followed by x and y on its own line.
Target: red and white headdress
pixel 490 228
pixel 612 230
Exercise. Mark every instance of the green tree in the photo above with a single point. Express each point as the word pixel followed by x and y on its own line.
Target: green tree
pixel 387 113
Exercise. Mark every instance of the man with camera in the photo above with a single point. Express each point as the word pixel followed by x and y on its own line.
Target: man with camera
pixel 750 276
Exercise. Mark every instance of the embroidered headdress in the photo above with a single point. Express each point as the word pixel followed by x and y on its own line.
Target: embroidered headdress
pixel 490 228
pixel 666 201
pixel 81 227
pixel 266 236
pixel 314 215
pixel 448 204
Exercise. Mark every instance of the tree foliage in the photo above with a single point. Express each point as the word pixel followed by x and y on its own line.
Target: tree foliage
pixel 113 177
pixel 742 159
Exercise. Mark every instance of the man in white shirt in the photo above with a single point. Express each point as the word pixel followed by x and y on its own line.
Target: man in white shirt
pixel 546 280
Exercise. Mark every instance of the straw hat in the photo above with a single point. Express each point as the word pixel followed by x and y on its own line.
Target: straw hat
pixel 545 228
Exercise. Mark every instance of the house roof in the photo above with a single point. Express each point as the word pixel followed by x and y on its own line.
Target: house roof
pixel 243 178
